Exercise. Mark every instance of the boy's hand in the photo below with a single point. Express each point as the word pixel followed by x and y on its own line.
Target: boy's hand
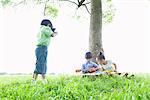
pixel 98 68
pixel 54 34
pixel 91 70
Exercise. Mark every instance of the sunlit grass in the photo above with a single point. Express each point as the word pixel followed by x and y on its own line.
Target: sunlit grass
pixel 67 87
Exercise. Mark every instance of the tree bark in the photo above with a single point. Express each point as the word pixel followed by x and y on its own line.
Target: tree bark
pixel 95 36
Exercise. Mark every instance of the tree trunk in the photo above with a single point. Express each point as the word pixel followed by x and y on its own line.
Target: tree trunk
pixel 95 36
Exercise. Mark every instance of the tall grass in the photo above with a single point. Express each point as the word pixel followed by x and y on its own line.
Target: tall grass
pixel 75 88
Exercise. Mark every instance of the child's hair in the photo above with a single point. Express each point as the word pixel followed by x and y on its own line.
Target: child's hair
pixel 100 56
pixel 88 55
pixel 46 22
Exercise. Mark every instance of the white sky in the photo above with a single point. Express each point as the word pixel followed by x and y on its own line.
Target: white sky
pixel 125 41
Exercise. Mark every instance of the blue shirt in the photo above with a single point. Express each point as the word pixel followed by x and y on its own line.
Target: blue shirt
pixel 87 66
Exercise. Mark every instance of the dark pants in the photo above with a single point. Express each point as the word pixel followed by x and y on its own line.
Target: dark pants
pixel 41 60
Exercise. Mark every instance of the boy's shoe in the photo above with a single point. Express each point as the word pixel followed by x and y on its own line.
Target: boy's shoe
pixel 34 82
pixel 44 81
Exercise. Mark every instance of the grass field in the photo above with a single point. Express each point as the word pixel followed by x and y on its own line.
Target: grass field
pixel 67 87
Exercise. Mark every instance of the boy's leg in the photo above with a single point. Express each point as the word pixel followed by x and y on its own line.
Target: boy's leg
pixel 44 80
pixel 43 76
pixel 35 75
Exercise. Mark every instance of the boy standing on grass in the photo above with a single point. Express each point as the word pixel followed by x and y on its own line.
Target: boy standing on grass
pixel 44 36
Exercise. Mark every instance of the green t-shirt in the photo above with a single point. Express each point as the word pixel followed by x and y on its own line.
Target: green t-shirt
pixel 44 36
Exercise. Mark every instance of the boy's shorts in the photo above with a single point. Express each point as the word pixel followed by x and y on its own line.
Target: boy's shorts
pixel 41 60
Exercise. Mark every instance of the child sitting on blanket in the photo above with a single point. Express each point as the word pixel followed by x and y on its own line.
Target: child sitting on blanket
pixel 107 65
pixel 90 66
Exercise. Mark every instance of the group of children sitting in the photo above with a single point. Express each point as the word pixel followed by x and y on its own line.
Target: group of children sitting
pixel 101 67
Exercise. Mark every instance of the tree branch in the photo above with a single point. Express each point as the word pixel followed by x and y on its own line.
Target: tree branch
pixel 80 3
pixel 70 2
pixel 86 3
pixel 87 8
pixel 45 6
pixel 16 4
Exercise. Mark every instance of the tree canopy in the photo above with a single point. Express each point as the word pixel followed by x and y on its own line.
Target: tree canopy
pixel 50 9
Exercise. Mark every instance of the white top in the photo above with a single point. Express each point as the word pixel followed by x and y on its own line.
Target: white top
pixel 108 66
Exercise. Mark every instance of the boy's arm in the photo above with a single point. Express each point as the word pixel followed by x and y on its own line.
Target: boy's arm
pixel 54 34
pixel 95 65
pixel 84 69
pixel 114 67
pixel 91 70
pixel 46 31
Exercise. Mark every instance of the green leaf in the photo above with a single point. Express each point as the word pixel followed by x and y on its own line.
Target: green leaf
pixel 52 11
pixel 5 2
